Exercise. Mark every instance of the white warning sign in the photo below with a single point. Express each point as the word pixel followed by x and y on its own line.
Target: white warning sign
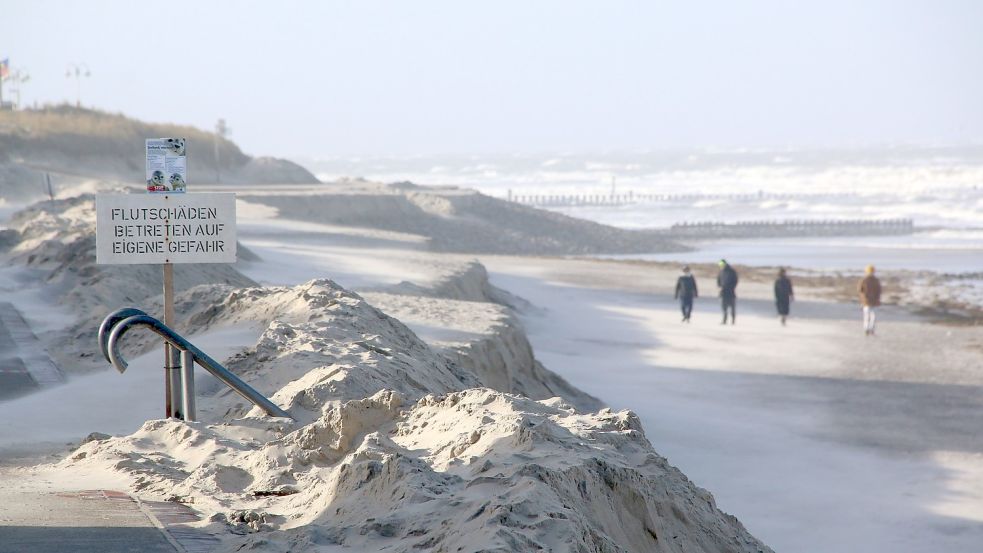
pixel 165 228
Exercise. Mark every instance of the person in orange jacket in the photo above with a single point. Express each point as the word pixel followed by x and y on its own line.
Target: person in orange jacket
pixel 870 299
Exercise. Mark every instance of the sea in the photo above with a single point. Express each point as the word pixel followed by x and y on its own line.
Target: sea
pixel 940 188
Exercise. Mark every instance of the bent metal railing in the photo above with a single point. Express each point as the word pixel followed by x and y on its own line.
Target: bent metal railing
pixel 182 389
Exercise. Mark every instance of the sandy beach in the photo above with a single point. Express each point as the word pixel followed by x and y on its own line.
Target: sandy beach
pixel 813 421
pixel 883 427
pixel 786 425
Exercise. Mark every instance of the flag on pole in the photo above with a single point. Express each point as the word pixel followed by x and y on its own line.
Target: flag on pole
pixel 4 68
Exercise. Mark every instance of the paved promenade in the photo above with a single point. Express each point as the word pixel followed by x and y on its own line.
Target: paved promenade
pixel 24 365
pixel 94 521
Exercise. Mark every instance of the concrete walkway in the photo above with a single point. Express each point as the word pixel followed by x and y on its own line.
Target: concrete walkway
pixel 24 365
pixel 96 521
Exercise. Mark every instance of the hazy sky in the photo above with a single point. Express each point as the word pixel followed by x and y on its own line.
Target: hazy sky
pixel 381 78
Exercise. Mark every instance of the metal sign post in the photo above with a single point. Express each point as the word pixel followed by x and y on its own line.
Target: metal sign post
pixel 167 172
pixel 172 374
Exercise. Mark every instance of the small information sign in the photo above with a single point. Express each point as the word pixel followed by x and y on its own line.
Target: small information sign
pixel 167 165
pixel 165 228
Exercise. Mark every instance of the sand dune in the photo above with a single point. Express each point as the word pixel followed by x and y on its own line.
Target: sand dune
pixel 448 436
pixel 458 220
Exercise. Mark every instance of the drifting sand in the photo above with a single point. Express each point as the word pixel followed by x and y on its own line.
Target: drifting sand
pixel 396 444
pixel 806 430
pixel 458 220
pixel 803 431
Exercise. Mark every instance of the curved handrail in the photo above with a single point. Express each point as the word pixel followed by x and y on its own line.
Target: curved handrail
pixel 206 362
pixel 107 325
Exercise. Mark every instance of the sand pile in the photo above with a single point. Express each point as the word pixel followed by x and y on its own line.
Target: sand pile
pixel 396 447
pixel 57 241
pixel 396 443
pixel 462 316
pixel 458 220
pixel 472 470
pixel 322 342
pixel 459 343
pixel 457 281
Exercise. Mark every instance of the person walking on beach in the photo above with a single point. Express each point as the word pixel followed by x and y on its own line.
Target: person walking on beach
pixel 870 299
pixel 783 294
pixel 685 292
pixel 727 281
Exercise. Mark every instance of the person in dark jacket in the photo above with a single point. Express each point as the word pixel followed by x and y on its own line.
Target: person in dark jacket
pixel 685 292
pixel 783 294
pixel 727 281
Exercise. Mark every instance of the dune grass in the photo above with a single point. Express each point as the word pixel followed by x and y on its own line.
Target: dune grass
pixel 77 132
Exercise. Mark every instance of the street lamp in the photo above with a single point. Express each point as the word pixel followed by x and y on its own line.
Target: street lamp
pixel 76 70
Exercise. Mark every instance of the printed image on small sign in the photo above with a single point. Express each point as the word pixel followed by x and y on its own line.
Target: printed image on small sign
pixel 167 165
